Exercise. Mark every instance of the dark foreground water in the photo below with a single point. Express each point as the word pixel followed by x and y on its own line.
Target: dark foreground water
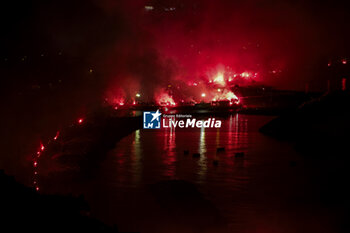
pixel 270 189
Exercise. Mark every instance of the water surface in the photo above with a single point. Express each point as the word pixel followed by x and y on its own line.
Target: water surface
pixel 266 190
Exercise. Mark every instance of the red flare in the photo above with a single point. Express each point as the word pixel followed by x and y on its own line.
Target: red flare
pixel 57 134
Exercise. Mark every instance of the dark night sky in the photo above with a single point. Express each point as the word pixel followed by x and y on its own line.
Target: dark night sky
pixel 129 46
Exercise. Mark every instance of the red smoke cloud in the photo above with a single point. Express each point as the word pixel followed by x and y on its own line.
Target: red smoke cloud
pixel 275 43
pixel 144 46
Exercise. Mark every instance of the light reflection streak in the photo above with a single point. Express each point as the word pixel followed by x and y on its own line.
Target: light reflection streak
pixel 136 157
pixel 230 131
pixel 236 123
pixel 217 138
pixel 202 162
pixel 170 152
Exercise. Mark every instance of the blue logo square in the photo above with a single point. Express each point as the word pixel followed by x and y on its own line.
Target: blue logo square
pixel 151 120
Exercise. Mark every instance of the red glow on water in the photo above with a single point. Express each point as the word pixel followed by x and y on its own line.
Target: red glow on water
pixel 35 163
pixel 80 120
pixel 344 61
pixel 121 103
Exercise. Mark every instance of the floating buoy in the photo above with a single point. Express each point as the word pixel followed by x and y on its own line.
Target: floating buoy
pixel 292 163
pixel 220 149
pixel 239 154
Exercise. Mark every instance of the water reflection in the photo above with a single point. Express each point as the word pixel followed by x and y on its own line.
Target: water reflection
pixel 136 158
pixel 202 162
pixel 248 191
pixel 239 187
pixel 149 156
pixel 169 152
pixel 159 153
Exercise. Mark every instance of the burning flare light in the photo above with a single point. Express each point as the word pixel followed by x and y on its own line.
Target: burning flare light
pixel 225 95
pixel 219 79
pixel 164 99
